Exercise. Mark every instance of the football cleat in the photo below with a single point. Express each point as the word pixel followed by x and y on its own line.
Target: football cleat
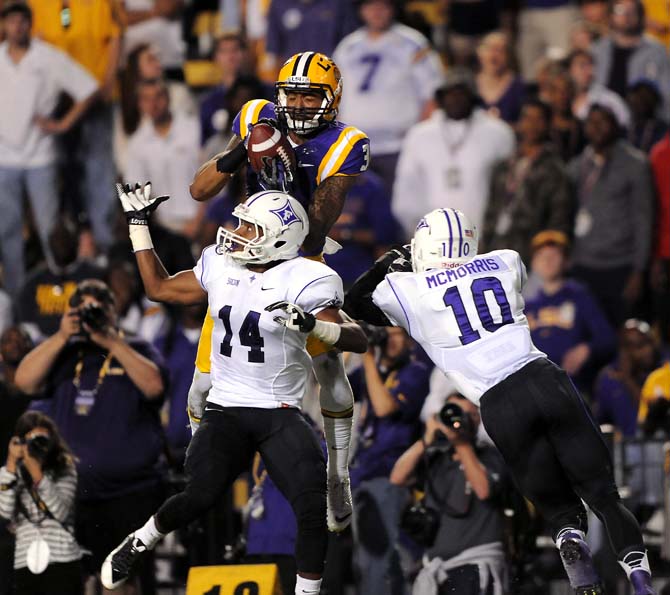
pixel 119 564
pixel 339 504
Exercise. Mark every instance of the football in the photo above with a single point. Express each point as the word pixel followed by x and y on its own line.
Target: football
pixel 267 143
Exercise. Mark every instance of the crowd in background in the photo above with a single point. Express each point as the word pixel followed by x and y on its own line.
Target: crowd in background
pixel 545 121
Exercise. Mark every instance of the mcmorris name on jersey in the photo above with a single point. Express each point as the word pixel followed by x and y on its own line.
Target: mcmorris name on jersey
pixel 483 265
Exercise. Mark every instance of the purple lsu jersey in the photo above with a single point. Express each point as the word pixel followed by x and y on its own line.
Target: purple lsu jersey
pixel 337 150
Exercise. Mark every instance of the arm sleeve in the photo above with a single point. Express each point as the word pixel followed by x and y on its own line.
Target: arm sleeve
pixel 59 495
pixel 319 293
pixel 7 494
pixel 643 195
pixel 387 298
pixel 202 269
pixel 73 79
pixel 358 302
pixel 251 112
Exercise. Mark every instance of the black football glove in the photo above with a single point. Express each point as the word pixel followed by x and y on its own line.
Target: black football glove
pixel 397 260
pixel 138 203
pixel 298 319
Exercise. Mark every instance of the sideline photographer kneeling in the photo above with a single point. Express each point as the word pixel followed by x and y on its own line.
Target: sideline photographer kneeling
pixel 37 492
pixel 460 520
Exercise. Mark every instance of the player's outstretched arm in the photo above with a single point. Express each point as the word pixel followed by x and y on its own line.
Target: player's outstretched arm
pixel 213 175
pixel 327 326
pixel 358 302
pixel 324 210
pixel 182 288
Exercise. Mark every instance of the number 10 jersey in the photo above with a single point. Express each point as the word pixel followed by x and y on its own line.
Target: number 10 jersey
pixel 255 361
pixel 469 319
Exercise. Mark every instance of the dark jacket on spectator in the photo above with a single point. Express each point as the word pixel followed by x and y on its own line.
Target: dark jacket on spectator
pixel 524 200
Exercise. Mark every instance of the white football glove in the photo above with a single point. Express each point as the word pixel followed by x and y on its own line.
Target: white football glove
pixel 297 319
pixel 138 203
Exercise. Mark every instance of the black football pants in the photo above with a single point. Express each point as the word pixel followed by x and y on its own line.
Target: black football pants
pixel 224 446
pixel 555 452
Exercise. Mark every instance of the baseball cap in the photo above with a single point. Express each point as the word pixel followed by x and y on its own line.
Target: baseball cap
pixel 549 237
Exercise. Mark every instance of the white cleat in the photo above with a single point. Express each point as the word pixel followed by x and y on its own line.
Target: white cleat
pixel 339 504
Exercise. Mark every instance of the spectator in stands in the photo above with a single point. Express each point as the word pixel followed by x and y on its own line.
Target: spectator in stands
pixel 581 66
pixel 178 344
pixel 646 129
pixel 467 22
pixel 449 158
pixel 245 88
pixel 230 55
pixel 393 385
pixel 499 87
pixel 613 225
pixel 294 26
pixel 37 492
pixel 618 387
pixel 34 74
pixel 565 321
pixel 660 267
pixel 158 23
pixel 102 388
pixel 529 192
pixel 366 228
pixel 137 315
pixel 596 14
pixel 566 133
pixel 582 36
pixel 463 480
pixel 165 149
pixel 544 29
pixel 144 64
pixel 90 34
pixel 655 401
pixel 44 296
pixel 14 344
pixel 391 74
pixel 626 55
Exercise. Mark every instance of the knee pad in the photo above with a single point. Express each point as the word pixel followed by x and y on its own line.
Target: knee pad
pixel 335 395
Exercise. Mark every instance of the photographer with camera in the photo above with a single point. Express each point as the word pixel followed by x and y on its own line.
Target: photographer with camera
pixel 37 493
pixel 393 386
pixel 460 521
pixel 104 390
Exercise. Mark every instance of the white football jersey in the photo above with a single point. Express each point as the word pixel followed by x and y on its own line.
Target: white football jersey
pixel 469 319
pixel 257 362
pixel 388 80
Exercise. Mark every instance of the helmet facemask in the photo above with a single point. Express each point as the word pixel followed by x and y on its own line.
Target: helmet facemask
pixel 304 120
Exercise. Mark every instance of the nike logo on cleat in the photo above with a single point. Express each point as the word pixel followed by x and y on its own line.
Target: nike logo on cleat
pixel 340 519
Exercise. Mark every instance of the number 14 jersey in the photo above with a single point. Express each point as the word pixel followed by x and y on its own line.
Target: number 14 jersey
pixel 255 361
pixel 469 319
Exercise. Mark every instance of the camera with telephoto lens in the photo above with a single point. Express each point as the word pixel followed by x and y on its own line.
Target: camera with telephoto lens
pixel 38 446
pixel 453 416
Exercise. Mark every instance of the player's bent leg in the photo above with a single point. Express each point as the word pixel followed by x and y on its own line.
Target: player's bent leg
pixel 295 462
pixel 337 406
pixel 217 454
pixel 587 461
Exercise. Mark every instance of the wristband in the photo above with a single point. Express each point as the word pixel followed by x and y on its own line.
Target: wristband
pixel 140 237
pixel 328 332
pixel 231 161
